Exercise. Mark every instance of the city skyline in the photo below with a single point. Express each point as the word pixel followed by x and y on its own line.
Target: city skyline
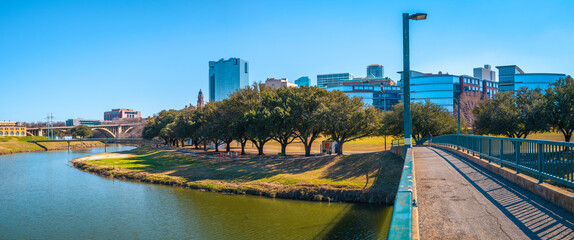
pixel 86 58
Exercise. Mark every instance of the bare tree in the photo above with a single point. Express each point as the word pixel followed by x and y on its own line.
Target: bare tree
pixel 468 101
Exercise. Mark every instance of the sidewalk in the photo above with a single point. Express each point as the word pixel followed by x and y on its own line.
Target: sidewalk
pixel 459 200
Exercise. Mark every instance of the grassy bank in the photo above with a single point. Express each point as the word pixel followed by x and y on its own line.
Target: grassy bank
pixel 10 145
pixel 363 145
pixel 369 177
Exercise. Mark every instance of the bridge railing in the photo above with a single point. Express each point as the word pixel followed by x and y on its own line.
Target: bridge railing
pixel 542 159
pixel 404 209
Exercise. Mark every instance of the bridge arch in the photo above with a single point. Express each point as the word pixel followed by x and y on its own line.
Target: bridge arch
pixel 28 134
pixel 127 130
pixel 106 132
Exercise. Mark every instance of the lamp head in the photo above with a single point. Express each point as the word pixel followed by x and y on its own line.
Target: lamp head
pixel 418 16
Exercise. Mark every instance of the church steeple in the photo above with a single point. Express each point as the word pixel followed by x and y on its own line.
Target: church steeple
pixel 200 102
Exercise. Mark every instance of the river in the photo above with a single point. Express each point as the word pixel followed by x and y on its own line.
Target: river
pixel 43 197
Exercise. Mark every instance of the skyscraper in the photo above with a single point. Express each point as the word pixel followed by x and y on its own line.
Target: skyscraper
pixel 226 76
pixel 484 73
pixel 303 81
pixel 375 71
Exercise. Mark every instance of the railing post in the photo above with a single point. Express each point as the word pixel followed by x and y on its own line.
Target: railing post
pixel 517 156
pixel 539 161
pixel 489 150
pixel 479 148
pixel 501 153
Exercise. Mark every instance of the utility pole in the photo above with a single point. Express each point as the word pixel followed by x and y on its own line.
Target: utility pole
pixel 50 125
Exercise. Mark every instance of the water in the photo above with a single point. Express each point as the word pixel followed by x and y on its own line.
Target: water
pixel 43 197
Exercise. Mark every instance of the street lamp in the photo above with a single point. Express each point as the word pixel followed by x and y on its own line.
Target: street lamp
pixel 407 76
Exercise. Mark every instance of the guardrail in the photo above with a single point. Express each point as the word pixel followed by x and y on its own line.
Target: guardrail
pixel 404 209
pixel 544 159
pixel 398 147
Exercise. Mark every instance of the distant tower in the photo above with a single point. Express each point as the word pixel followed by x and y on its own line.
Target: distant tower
pixel 200 99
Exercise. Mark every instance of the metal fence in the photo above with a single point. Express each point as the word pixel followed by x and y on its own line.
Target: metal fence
pixel 542 159
pixel 403 209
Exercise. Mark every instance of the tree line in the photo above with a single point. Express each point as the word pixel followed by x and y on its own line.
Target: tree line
pixel 259 114
pixel 526 111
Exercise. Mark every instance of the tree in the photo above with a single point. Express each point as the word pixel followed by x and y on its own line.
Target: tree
pixel 184 124
pixel 282 117
pixel 82 131
pixel 560 106
pixel 468 102
pixel 308 108
pixel 348 119
pixel 258 119
pixel 210 123
pixel 427 117
pixel 513 114
pixel 155 127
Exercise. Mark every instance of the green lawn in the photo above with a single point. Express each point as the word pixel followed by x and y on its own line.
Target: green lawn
pixel 370 172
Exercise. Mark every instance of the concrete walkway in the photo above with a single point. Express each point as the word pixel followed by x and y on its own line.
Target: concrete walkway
pixel 459 200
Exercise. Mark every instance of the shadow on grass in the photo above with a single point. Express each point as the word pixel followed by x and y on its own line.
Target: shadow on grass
pixel 380 168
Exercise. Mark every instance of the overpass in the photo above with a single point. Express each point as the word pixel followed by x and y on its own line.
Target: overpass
pixel 478 187
pixel 137 141
pixel 109 130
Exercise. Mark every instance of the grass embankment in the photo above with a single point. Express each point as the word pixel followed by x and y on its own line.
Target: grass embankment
pixel 370 177
pixel 10 145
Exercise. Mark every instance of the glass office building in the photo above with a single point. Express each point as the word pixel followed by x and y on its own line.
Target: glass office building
pixel 382 94
pixel 226 76
pixel 333 79
pixel 512 78
pixel 375 71
pixel 303 81
pixel 443 89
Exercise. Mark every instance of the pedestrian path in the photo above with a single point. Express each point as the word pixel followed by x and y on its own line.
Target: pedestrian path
pixel 460 200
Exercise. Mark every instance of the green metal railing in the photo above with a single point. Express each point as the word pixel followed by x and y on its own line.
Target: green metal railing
pixel 543 159
pixel 402 219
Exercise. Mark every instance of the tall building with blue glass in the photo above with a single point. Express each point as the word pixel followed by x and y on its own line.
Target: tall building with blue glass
pixel 443 89
pixel 226 76
pixel 375 71
pixel 333 79
pixel 303 81
pixel 512 78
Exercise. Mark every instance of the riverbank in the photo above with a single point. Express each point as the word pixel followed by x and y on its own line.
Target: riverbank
pixel 11 145
pixel 366 178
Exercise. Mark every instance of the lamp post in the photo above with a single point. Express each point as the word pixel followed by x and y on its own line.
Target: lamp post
pixel 407 76
pixel 383 92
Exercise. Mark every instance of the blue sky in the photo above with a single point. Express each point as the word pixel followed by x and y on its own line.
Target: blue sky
pixel 81 58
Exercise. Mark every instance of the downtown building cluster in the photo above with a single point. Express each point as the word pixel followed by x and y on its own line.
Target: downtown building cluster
pixel 226 76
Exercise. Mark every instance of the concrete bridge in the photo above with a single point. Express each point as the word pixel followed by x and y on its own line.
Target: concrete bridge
pixel 459 199
pixel 482 187
pixel 106 141
pixel 109 130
